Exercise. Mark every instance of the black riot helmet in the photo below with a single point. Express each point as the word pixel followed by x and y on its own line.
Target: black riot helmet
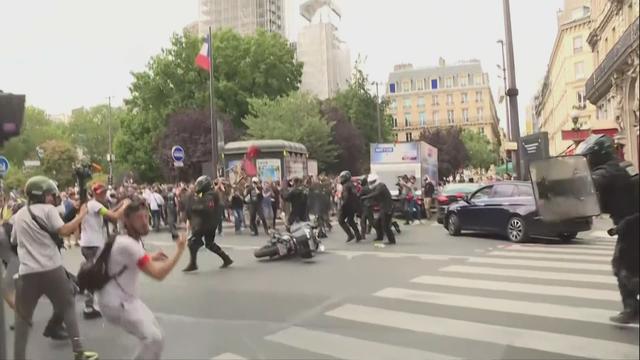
pixel 203 184
pixel 364 181
pixel 598 149
pixel 345 177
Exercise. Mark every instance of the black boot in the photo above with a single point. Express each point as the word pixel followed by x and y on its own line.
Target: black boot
pixel 56 332
pixel 625 317
pixel 193 260
pixel 226 260
pixel 348 231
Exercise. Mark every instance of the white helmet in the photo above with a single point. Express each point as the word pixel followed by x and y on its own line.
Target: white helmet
pixel 372 180
pixel 255 180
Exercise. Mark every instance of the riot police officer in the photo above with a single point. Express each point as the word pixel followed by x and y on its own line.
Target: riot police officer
pixel 380 195
pixel 616 182
pixel 366 217
pixel 298 196
pixel 350 206
pixel 203 218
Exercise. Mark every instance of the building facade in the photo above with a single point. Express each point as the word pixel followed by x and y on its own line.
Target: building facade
pixel 326 58
pixel 441 96
pixel 613 87
pixel 560 104
pixel 243 16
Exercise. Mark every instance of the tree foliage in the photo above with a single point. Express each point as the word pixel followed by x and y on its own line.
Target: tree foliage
pixel 482 154
pixel 348 140
pixel 295 118
pixel 88 129
pixel 58 160
pixel 452 153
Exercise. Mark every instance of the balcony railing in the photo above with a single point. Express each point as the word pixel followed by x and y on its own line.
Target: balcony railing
pixel 598 83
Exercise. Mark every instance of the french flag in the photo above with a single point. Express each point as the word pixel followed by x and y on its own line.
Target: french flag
pixel 202 59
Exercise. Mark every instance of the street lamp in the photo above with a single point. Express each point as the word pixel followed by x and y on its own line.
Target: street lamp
pixel 110 155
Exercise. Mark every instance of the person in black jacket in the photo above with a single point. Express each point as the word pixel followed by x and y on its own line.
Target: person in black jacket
pixel 381 196
pixel 350 206
pixel 254 198
pixel 297 196
pixel 366 217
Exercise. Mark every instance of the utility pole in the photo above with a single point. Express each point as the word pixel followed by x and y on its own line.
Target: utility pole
pixel 214 123
pixel 506 104
pixel 110 157
pixel 378 114
pixel 512 91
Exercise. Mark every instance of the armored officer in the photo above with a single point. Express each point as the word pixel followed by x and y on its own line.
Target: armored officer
pixel 380 195
pixel 349 208
pixel 297 196
pixel 616 182
pixel 366 218
pixel 203 218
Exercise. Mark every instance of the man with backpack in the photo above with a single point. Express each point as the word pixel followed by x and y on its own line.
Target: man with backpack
pixel 40 269
pixel 118 295
pixel 94 234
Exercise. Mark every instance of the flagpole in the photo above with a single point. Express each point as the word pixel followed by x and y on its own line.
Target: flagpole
pixel 214 123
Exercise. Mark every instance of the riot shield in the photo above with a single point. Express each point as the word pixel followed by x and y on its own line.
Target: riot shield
pixel 563 188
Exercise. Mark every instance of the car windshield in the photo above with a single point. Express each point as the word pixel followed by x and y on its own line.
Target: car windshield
pixel 453 189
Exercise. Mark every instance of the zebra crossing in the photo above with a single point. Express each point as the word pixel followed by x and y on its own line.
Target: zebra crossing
pixel 553 301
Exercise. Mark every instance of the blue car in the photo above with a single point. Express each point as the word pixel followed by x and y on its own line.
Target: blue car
pixel 508 209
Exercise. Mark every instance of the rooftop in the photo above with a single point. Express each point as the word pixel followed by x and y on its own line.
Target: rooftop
pixel 407 71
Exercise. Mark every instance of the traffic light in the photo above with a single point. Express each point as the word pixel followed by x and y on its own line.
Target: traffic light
pixel 11 114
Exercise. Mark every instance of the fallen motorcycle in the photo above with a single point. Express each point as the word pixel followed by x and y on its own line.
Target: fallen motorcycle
pixel 302 240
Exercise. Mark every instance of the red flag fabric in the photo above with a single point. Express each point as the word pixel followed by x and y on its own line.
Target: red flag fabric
pixel 202 59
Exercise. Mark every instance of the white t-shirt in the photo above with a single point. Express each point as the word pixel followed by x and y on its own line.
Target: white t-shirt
pixel 36 250
pixel 128 252
pixel 94 233
pixel 152 200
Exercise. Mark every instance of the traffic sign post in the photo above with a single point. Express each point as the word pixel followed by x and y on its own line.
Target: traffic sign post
pixel 4 166
pixel 177 154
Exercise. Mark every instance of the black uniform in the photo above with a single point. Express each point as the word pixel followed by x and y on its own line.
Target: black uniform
pixel 381 196
pixel 298 197
pixel 618 189
pixel 366 217
pixel 204 216
pixel 254 196
pixel 350 207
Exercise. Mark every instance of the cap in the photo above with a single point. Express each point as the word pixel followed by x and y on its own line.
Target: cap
pixel 98 189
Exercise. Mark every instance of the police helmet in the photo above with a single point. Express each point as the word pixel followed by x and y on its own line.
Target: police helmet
pixel 38 187
pixel 372 179
pixel 598 149
pixel 203 184
pixel 345 177
pixel 363 180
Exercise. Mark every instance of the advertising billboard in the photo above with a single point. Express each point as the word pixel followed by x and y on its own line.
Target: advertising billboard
pixel 429 161
pixel 269 169
pixel 394 153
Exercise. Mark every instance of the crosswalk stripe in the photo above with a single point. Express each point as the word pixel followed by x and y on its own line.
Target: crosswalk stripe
pixel 566 249
pixel 567 291
pixel 591 245
pixel 596 234
pixel 501 305
pixel 551 256
pixel 531 339
pixel 228 356
pixel 540 263
pixel 547 275
pixel 344 347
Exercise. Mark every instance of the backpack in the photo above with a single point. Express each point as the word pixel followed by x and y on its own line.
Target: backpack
pixel 93 276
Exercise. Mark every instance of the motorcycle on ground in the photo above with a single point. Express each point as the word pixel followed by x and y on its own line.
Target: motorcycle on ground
pixel 302 240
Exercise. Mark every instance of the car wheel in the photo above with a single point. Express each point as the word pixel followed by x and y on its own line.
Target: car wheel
pixel 517 230
pixel 453 225
pixel 567 237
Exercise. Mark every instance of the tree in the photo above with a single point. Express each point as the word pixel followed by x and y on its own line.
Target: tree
pixel 88 129
pixel 37 128
pixel 452 154
pixel 482 154
pixel 360 107
pixel 58 160
pixel 295 118
pixel 136 145
pixel 191 129
pixel 348 140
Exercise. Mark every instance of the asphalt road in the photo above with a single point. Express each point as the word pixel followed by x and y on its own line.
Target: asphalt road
pixel 430 296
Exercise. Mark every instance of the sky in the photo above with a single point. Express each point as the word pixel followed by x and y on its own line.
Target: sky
pixel 65 54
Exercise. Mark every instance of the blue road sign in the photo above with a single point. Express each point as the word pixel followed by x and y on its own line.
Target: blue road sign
pixel 4 165
pixel 177 153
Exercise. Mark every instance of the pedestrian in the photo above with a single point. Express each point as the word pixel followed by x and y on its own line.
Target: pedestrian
pixel 275 204
pixel 254 197
pixel 154 207
pixel 267 203
pixel 427 194
pixel 349 208
pixel 40 269
pixel 203 218
pixel 171 205
pixel 94 234
pixel 381 197
pixel 119 298
pixel 237 205
pixel 618 187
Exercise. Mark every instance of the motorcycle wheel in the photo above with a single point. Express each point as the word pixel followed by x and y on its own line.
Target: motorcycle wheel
pixel 266 251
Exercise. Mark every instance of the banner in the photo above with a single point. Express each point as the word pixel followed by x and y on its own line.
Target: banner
pixel 269 169
pixel 312 167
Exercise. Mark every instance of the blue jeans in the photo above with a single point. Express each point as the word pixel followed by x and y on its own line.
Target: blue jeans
pixel 238 215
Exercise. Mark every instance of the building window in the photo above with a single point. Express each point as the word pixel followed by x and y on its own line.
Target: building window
pixel 449 99
pixel 479 114
pixel 450 119
pixel 406 86
pixel 579 68
pixel 581 99
pixel 478 96
pixel 392 88
pixel 421 103
pixel 470 79
pixel 420 85
pixel 407 119
pixel 448 82
pixel 394 105
pixel 436 118
pixel 465 115
pixel 479 80
pixel 395 136
pixel 423 119
pixel 395 122
pixel 406 103
pixel 464 98
pixel 408 137
pixel 434 100
pixel 577 44
pixel 434 84
pixel 463 81
pixel 481 130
